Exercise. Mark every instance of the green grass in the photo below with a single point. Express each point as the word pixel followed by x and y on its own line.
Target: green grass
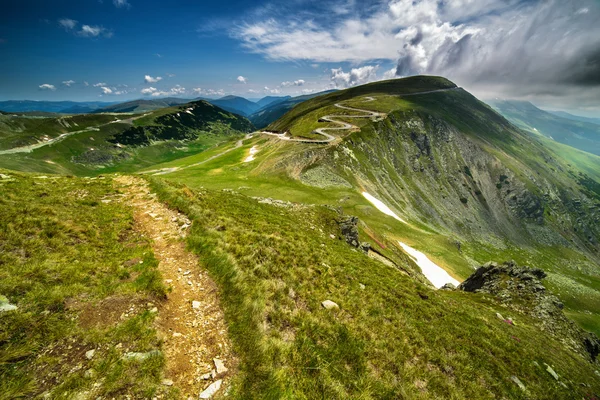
pixel 74 265
pixel 397 338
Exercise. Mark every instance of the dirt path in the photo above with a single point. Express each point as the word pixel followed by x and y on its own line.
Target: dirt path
pixel 190 321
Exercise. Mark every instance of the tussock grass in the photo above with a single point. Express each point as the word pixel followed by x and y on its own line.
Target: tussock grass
pixel 82 278
pixel 396 338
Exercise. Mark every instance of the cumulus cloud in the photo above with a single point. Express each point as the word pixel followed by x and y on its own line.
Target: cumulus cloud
pixel 149 79
pixel 241 79
pixel 154 92
pixel 68 83
pixel 299 82
pixel 148 90
pixel 356 76
pixel 99 84
pixel 47 86
pixel 121 4
pixel 271 91
pixel 106 90
pixel 515 48
pixel 67 23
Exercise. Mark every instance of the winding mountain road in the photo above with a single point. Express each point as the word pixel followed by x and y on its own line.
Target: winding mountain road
pixel 333 118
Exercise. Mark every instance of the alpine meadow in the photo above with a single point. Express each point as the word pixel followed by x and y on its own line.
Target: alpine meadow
pixel 264 199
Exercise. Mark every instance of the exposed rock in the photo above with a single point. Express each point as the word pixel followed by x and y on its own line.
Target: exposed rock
pixel 90 354
pixel 220 366
pixel 167 382
pixel 349 227
pixel 211 390
pixel 521 289
pixel 196 305
pixel 329 305
pixel 448 286
pixel 5 305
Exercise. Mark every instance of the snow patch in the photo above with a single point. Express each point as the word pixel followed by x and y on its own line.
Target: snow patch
pixel 382 207
pixel 253 151
pixel 433 272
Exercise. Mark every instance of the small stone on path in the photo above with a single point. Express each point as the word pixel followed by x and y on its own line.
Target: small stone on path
pixel 220 366
pixel 211 390
pixel 329 305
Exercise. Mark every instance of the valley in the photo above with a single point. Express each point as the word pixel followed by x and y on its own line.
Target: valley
pixel 440 184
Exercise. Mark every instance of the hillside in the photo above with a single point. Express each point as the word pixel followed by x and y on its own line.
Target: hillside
pixel 579 134
pixel 115 142
pixel 566 115
pixel 141 106
pixel 271 100
pixel 236 105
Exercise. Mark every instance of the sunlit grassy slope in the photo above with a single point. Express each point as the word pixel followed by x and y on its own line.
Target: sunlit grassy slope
pixel 392 337
pixel 73 264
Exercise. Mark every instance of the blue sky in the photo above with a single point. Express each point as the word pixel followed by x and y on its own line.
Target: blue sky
pixel 115 50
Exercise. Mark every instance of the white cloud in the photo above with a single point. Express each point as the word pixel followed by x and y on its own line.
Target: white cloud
pixel 121 3
pixel 390 74
pixel 299 82
pixel 271 91
pixel 174 91
pixel 99 84
pixel 68 83
pixel 47 86
pixel 356 76
pixel 148 90
pixel 208 92
pixel 507 48
pixel 149 79
pixel 241 79
pixel 67 23
pixel 85 83
pixel 253 91
pixel 94 31
pixel 307 91
pixel 106 90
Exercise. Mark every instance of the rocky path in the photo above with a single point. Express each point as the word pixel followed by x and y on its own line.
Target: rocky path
pixel 191 323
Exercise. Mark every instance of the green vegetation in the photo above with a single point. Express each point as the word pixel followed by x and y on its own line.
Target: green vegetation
pixel 19 130
pixel 83 279
pixel 396 338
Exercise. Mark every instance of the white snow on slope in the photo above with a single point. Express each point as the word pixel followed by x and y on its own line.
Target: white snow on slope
pixel 382 207
pixel 433 272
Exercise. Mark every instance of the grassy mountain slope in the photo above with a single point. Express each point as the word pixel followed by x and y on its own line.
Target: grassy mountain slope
pixel 471 186
pixel 392 337
pixel 23 130
pixel 134 142
pixel 579 134
pixel 72 263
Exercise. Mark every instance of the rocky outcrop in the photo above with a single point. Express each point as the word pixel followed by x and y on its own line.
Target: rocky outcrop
pixel 520 288
pixel 349 228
